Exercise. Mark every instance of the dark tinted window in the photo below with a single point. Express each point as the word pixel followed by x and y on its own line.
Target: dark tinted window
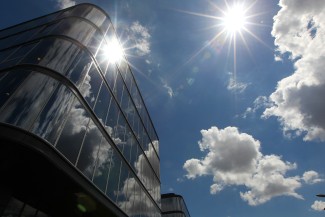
pixel 9 82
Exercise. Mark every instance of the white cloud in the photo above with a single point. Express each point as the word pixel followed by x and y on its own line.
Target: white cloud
pixel 318 205
pixel 260 102
pixel 312 177
pixel 65 3
pixel 236 86
pixel 234 158
pixel 168 88
pixel 139 37
pixel 299 29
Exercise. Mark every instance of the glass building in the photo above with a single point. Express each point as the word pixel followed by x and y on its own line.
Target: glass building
pixel 173 205
pixel 76 137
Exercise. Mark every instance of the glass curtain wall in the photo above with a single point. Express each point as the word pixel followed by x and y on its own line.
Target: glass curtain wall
pixel 57 82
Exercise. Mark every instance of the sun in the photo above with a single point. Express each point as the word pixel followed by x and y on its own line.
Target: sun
pixel 114 52
pixel 234 19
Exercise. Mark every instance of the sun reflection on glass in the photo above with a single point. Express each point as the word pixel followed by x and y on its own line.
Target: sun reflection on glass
pixel 114 52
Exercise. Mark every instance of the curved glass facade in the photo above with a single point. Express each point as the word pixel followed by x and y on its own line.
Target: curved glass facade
pixel 57 82
pixel 173 205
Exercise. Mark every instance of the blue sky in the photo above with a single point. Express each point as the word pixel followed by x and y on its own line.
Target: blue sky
pixel 241 128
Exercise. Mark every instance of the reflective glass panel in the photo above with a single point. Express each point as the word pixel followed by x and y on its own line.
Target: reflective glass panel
pixel 17 39
pixel 5 53
pixel 91 13
pixel 89 88
pixel 112 117
pixel 114 175
pixel 22 51
pixel 110 75
pixel 9 82
pixel 134 151
pixel 89 150
pixel 103 164
pixel 118 89
pixel 128 192
pixel 102 104
pixel 75 28
pixel 26 103
pixel 120 133
pixel 77 71
pixel 9 41
pixel 51 120
pixel 54 53
pixel 73 132
pixel 94 43
pixel 97 17
pixel 122 195
pixel 46 30
pixel 59 56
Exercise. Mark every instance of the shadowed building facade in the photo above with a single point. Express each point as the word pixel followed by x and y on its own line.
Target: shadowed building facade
pixel 173 205
pixel 76 138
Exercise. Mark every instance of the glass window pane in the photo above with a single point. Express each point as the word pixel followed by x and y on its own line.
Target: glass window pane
pixel 94 42
pixel 112 117
pixel 51 120
pixel 22 51
pixel 89 88
pixel 102 56
pixel 113 179
pixel 102 104
pixel 77 71
pixel 118 89
pixel 129 194
pixel 56 54
pixel 119 131
pixel 73 132
pixel 122 194
pixel 36 55
pixel 110 75
pixel 60 56
pixel 17 39
pixel 89 150
pixel 6 53
pixel 46 30
pixel 75 28
pixel 128 143
pixel 96 16
pixel 9 82
pixel 26 103
pixel 103 164
pixel 134 151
